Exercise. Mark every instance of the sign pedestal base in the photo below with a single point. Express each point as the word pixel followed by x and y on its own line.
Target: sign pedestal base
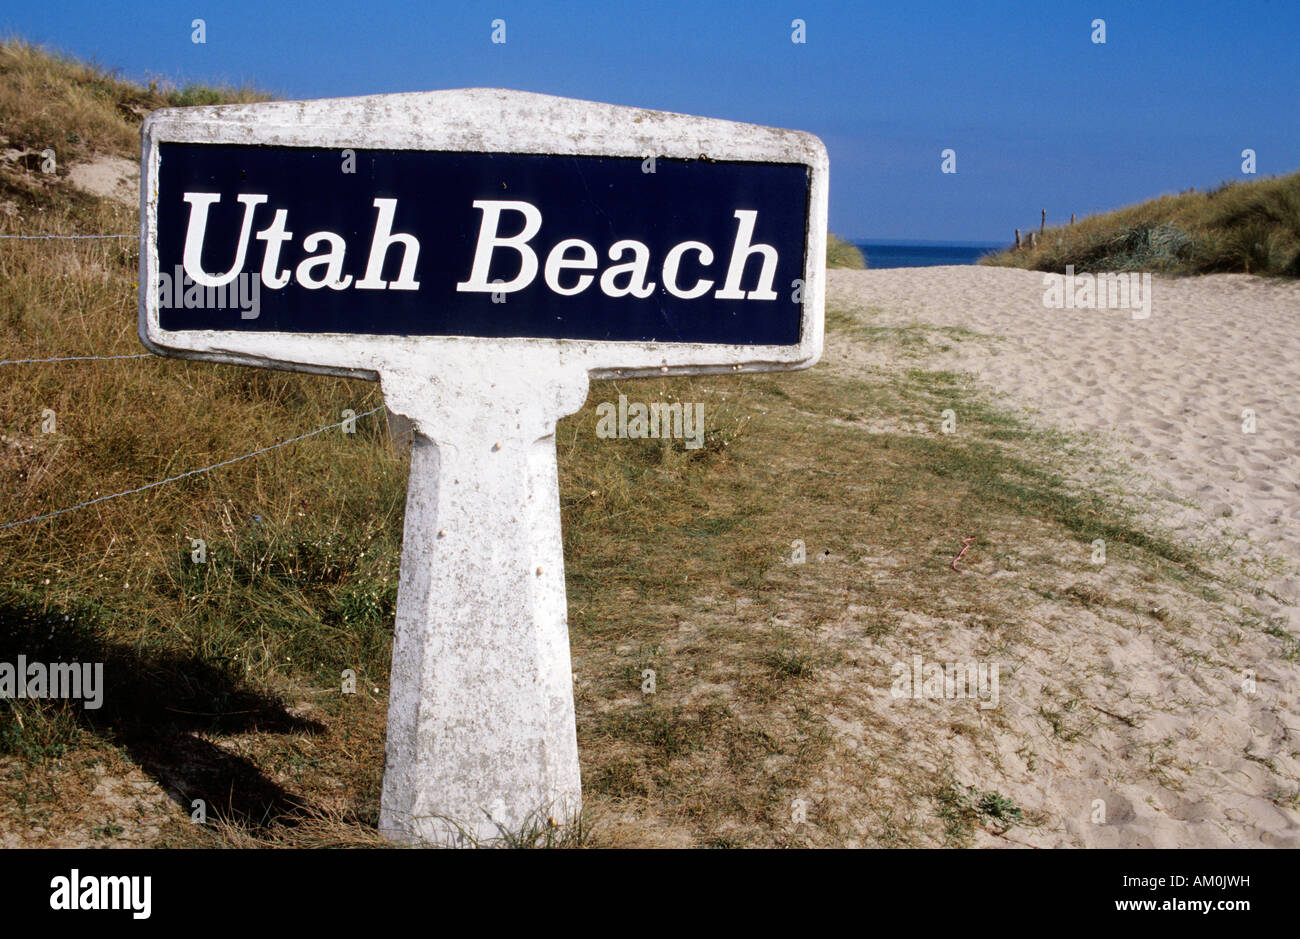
pixel 481 735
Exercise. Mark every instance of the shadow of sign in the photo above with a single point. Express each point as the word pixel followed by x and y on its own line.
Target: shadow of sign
pixel 155 704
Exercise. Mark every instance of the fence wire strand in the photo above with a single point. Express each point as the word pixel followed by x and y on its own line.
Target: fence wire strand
pixel 140 355
pixel 62 237
pixel 193 472
pixel 77 358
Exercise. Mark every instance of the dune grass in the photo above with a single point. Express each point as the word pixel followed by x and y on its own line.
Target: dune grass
pixel 1248 227
pixel 49 100
pixel 840 253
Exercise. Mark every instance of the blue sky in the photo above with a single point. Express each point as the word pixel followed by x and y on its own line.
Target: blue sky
pixel 1040 116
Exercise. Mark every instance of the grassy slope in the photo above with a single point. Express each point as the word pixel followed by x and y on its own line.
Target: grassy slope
pixel 1248 227
pixel 840 253
pixel 224 677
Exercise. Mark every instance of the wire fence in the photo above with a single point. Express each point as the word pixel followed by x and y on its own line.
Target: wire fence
pixel 77 358
pixel 62 237
pixel 189 473
pixel 69 358
pixel 141 355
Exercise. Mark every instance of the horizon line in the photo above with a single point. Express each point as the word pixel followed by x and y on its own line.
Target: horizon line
pixel 923 243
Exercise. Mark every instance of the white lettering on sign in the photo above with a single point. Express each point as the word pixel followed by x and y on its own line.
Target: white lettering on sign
pixel 275 236
pixel 636 270
pixel 740 253
pixel 193 256
pixel 674 260
pixel 559 259
pixel 568 257
pixel 487 243
pixel 379 244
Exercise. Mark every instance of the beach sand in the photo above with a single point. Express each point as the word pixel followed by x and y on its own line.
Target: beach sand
pixel 1165 393
pixel 1168 390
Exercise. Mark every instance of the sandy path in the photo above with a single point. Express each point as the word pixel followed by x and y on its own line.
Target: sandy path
pixel 1167 393
pixel 1169 390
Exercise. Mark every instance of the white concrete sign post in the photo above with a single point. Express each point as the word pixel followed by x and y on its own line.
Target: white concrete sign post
pixel 484 254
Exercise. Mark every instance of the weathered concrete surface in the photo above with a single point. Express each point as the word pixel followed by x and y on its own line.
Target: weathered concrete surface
pixel 401 431
pixel 481 733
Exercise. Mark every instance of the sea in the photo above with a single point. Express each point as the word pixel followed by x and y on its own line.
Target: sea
pixel 924 253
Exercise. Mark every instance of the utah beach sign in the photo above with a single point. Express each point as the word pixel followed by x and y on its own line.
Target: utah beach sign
pixel 481 253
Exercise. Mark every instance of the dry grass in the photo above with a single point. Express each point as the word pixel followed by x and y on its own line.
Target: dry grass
pixel 772 678
pixel 1246 227
pixel 840 253
pixel 50 100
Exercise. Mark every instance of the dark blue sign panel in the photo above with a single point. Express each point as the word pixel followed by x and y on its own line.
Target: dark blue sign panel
pixel 411 243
